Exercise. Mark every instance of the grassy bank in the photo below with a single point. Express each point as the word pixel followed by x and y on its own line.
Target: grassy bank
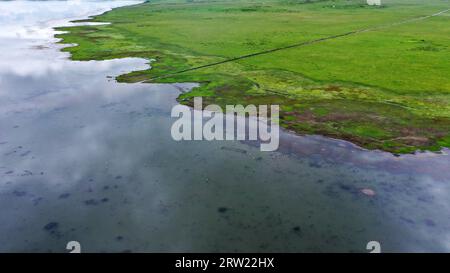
pixel 386 89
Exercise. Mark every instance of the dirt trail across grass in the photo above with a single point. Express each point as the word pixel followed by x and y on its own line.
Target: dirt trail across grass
pixel 386 89
pixel 302 44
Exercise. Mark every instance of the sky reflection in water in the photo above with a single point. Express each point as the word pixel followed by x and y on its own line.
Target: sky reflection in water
pixel 85 158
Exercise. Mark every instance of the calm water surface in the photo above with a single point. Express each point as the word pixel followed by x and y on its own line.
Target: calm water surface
pixel 85 158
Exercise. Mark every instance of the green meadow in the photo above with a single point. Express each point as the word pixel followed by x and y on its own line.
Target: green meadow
pixel 387 88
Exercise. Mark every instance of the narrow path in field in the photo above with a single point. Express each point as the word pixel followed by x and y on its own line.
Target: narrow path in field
pixel 310 42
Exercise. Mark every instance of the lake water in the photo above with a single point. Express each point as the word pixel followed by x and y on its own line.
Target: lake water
pixel 87 159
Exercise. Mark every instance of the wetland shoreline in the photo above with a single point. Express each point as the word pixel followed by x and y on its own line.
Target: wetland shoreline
pixel 86 158
pixel 373 116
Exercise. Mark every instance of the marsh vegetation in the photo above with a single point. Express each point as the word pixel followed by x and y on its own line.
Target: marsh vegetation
pixel 388 88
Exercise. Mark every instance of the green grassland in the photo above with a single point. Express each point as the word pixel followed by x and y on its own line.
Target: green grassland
pixel 384 89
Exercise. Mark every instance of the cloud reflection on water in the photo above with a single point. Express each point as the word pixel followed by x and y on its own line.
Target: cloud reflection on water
pixel 97 158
